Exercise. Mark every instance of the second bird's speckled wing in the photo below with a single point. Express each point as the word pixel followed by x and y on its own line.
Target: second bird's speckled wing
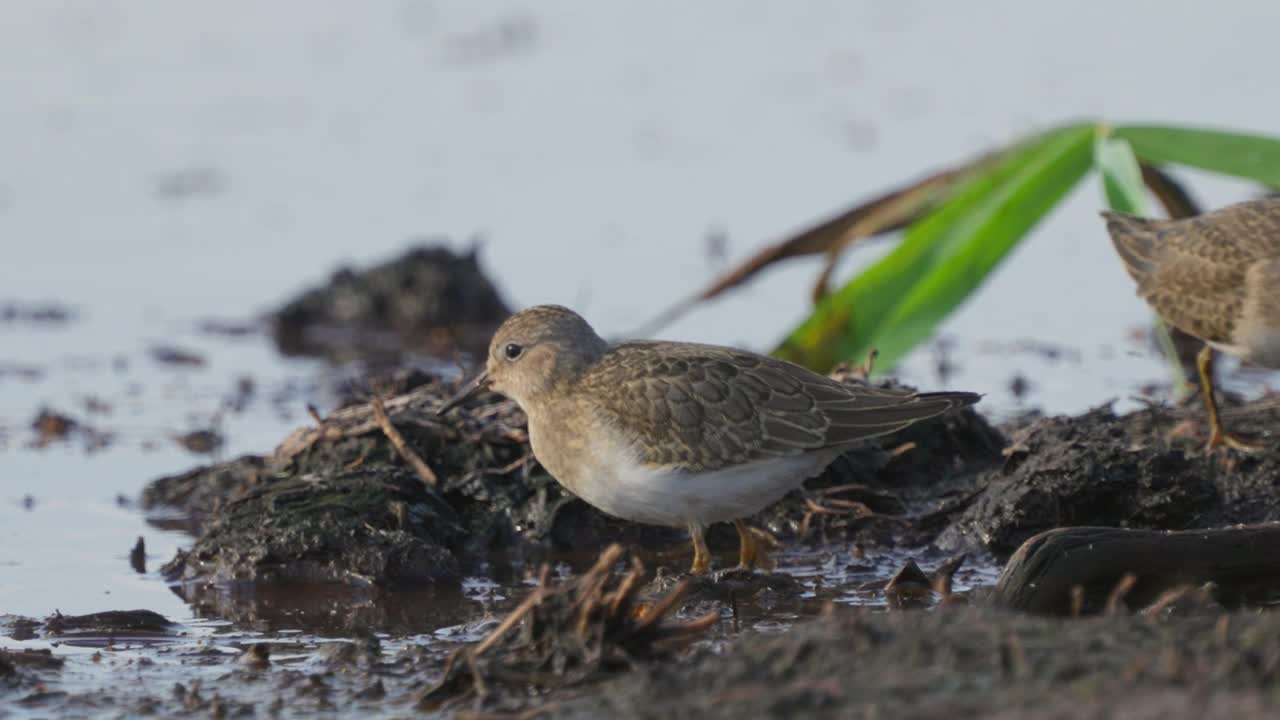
pixel 1193 272
pixel 703 407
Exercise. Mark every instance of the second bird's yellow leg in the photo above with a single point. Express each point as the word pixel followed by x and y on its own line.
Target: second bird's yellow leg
pixel 1217 434
pixel 701 556
pixel 753 547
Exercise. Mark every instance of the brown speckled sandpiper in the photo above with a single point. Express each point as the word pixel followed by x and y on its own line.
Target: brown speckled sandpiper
pixel 1216 277
pixel 679 434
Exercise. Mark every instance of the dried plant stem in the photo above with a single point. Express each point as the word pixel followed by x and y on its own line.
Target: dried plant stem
pixel 402 448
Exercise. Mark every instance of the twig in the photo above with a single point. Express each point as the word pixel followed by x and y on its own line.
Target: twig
pixel 1115 601
pixel 524 608
pixel 397 441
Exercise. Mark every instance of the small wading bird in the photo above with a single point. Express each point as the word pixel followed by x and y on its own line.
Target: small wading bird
pixel 680 434
pixel 1216 277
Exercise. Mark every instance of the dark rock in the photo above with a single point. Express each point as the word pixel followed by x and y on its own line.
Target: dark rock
pixel 110 622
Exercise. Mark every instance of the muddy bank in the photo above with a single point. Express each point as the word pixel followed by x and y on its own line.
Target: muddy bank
pixel 963 662
pixel 430 300
pixel 338 501
pixel 1146 469
pixel 421 499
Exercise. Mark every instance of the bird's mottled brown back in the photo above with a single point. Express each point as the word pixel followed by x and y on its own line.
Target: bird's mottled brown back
pixel 1193 271
pixel 702 407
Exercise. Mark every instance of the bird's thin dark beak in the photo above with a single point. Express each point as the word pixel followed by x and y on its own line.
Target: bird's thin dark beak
pixel 475 385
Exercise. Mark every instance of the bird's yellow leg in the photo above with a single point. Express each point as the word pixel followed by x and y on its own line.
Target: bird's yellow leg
pixel 753 547
pixel 1217 434
pixel 701 556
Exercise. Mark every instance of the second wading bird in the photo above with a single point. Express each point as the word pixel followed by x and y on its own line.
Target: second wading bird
pixel 1216 277
pixel 680 434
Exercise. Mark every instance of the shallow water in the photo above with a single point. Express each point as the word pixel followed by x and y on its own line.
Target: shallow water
pixel 166 164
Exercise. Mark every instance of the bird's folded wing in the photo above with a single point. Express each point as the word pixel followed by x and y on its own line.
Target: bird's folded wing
pixel 698 407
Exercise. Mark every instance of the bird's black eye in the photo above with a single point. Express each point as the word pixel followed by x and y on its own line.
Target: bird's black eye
pixel 512 351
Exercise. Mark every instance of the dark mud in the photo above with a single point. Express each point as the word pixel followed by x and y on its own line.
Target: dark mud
pixel 963 662
pixel 336 502
pixel 1147 469
pixel 430 300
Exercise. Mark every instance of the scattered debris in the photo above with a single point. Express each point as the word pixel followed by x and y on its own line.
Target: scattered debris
pixel 177 357
pixel 138 557
pixel 35 313
pixel 1019 386
pixel 257 656
pixel 189 182
pixel 95 405
pixel 229 328
pixel 509 35
pixel 590 625
pixel 51 426
pixel 200 442
pixel 26 373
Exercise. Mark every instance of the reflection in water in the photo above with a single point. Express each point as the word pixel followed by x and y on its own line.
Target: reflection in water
pixel 341 610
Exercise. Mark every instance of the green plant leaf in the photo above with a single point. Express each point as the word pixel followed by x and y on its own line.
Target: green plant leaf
pixel 1254 157
pixel 848 322
pixel 1121 175
pixel 983 238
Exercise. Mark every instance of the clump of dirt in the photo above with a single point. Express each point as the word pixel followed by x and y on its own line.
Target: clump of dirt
pixel 23 669
pixel 565 634
pixel 1146 469
pixel 108 623
pixel 36 313
pixel 961 662
pixel 369 524
pixel 429 300
pixel 201 492
pixel 343 500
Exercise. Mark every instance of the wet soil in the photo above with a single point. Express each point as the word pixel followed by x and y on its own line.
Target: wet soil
pixel 336 502
pixel 963 662
pixel 953 660
pixel 1146 469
